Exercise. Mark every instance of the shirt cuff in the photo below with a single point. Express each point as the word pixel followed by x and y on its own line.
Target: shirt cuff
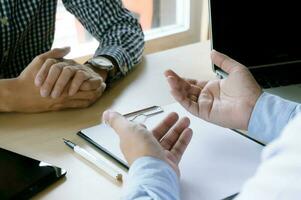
pixel 153 178
pixel 270 115
pixel 120 57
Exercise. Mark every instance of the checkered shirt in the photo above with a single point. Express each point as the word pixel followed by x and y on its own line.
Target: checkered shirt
pixel 27 29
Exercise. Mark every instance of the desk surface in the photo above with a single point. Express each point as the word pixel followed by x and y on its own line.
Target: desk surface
pixel 40 135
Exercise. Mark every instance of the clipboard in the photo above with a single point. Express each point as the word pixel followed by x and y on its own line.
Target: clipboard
pixel 93 136
pixel 216 164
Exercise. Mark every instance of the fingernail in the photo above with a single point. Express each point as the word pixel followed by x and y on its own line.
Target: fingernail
pixel 103 86
pixel 170 78
pixel 38 82
pixel 44 93
pixel 166 72
pixel 54 94
pixel 106 116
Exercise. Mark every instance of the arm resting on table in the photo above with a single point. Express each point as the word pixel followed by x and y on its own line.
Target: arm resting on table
pixel 270 115
pixel 6 91
pixel 279 175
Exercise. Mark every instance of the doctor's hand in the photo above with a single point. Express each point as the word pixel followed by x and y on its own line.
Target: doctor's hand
pixel 228 102
pixel 167 141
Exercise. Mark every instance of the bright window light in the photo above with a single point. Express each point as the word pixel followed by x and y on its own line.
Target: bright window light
pixel 158 18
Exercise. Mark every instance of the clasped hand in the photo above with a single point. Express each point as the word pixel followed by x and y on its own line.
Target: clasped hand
pixel 55 75
pixel 50 82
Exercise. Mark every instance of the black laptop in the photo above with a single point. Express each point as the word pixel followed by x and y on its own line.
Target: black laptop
pixel 264 36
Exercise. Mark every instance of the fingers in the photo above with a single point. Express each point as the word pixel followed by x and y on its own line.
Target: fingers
pixel 92 84
pixel 171 137
pixel 77 81
pixel 82 99
pixel 170 72
pixel 47 59
pixel 181 144
pixel 56 76
pixel 161 129
pixel 200 84
pixel 191 81
pixel 186 96
pixel 43 72
pixel 62 81
pixel 189 103
pixel 186 91
pixel 72 104
pixel 224 62
pixel 51 79
pixel 56 53
pixel 119 123
pixel 183 86
pixel 88 95
pixel 176 82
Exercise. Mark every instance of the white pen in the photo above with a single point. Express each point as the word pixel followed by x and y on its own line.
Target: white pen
pixel 96 161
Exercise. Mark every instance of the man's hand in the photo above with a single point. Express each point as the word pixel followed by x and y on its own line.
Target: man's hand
pixel 167 141
pixel 25 96
pixel 228 102
pixel 55 74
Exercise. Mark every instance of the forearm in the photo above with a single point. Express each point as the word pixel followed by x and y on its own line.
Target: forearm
pixel 6 92
pixel 118 32
pixel 279 175
pixel 270 116
pixel 126 47
pixel 150 178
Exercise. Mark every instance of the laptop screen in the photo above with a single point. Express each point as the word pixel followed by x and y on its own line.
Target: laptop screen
pixel 257 32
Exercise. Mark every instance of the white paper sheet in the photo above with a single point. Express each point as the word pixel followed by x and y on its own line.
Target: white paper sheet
pixel 216 163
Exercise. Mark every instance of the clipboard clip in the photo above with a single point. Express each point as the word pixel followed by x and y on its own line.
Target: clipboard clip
pixel 141 116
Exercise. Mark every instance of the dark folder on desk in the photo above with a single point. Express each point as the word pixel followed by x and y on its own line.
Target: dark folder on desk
pixel 216 163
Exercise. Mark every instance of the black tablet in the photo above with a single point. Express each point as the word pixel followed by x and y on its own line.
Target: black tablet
pixel 22 177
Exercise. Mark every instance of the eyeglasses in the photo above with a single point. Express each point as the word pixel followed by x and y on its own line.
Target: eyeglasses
pixel 141 116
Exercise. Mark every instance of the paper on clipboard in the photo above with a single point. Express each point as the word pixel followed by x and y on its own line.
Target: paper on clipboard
pixel 215 165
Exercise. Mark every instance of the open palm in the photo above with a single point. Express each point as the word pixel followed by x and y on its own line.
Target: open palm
pixel 228 102
pixel 167 141
pixel 173 137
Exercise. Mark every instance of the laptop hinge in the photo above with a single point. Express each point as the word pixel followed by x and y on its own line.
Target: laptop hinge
pixel 221 74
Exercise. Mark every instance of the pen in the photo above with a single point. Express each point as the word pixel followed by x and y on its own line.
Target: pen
pixel 96 161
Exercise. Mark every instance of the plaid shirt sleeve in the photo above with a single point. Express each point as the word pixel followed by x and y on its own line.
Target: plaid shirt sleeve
pixel 118 32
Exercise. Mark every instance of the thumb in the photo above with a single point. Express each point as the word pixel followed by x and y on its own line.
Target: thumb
pixel 56 53
pixel 119 123
pixel 224 62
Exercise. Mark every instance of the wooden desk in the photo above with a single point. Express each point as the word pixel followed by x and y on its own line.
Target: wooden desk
pixel 40 135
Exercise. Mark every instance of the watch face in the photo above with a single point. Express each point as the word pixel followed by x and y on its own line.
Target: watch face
pixel 102 62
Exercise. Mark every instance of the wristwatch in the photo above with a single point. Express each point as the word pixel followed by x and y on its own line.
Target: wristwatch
pixel 101 63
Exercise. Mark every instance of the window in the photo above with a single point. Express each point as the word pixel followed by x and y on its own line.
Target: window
pixel 185 29
pixel 168 22
pixel 160 17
